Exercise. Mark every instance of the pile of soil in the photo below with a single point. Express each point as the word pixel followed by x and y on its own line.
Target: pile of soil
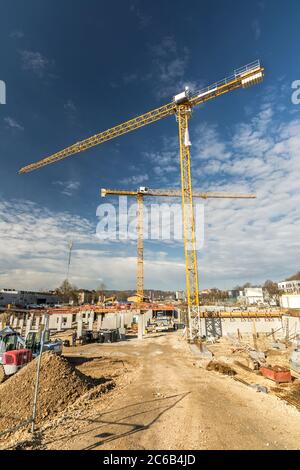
pixel 60 385
pixel 220 367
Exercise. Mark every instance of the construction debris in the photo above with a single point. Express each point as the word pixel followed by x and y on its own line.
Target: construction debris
pixel 276 373
pixel 259 388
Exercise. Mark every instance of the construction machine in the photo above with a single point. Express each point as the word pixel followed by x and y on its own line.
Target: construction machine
pixel 13 353
pixel 110 300
pixel 16 351
pixel 33 342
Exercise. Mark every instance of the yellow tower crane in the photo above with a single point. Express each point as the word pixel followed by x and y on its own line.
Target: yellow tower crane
pixel 139 194
pixel 181 107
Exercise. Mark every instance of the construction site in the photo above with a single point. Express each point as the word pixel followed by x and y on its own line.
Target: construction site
pixel 139 367
pixel 109 375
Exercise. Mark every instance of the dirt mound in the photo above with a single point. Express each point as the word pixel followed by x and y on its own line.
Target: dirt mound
pixel 60 385
pixel 220 367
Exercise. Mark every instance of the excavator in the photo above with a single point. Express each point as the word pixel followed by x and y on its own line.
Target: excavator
pixel 16 351
pixel 13 353
pixel 109 300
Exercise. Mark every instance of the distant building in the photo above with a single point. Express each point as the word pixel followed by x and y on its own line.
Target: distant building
pixel 205 291
pixel 81 298
pixel 290 287
pixel 180 295
pixel 23 298
pixel 252 295
pixel 290 301
pixel 85 296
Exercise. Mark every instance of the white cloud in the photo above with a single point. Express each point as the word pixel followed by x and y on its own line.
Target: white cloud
pixel 67 187
pixel 255 239
pixel 13 124
pixel 71 111
pixel 35 62
pixel 34 253
pixel 135 179
pixel 144 19
pixel 130 78
pixel 164 163
pixel 169 67
pixel 207 144
pixel 70 106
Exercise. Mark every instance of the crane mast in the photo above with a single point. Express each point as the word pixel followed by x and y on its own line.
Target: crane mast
pixel 140 247
pixel 188 218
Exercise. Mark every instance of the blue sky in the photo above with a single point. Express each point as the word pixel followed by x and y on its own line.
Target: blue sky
pixel 74 68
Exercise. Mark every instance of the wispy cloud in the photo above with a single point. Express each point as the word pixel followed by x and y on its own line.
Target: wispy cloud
pixel 71 111
pixel 143 18
pixel 16 34
pixel 67 187
pixel 35 62
pixel 130 78
pixel 164 163
pixel 135 179
pixel 169 67
pixel 256 29
pixel 70 106
pixel 13 124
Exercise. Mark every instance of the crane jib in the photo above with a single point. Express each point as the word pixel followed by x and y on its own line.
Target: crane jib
pixel 244 77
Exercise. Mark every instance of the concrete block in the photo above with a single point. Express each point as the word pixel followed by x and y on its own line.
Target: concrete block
pixel 99 323
pixel 37 322
pixel 59 323
pixel 91 322
pixel 28 326
pixel 79 328
pixel 141 327
pixel 21 325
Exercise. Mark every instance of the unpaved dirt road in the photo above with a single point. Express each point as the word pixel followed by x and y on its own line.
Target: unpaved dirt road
pixel 172 403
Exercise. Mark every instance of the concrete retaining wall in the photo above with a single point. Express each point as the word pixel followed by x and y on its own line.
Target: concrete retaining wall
pixel 293 324
pixel 262 325
pixel 60 322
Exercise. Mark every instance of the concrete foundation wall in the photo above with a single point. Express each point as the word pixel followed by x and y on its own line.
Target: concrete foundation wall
pixel 128 318
pixel 60 322
pixel 114 320
pixel 262 325
pixel 85 316
pixel 293 324
pixel 290 301
pixel 224 308
pixel 111 321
